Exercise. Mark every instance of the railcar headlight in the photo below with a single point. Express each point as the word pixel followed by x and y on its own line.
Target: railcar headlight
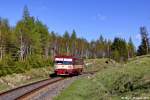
pixel 70 66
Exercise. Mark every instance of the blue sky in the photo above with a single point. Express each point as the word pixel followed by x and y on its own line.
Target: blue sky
pixel 90 18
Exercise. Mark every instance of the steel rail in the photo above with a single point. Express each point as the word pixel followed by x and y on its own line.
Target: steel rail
pixel 23 97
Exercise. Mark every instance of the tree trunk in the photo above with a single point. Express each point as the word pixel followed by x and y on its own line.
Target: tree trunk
pixel 146 46
pixel 1 47
pixel 46 52
pixel 21 48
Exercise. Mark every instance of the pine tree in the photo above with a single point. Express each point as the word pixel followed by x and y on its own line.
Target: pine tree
pixel 143 49
pixel 66 43
pixel 119 49
pixel 28 37
pixel 131 48
pixel 101 47
pixel 23 34
pixel 42 38
pixel 73 36
pixel 4 37
pixel 73 39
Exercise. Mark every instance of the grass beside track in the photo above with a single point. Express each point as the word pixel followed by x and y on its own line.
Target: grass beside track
pixel 15 80
pixel 116 82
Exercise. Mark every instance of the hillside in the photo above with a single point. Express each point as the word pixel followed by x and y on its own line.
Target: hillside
pixel 115 82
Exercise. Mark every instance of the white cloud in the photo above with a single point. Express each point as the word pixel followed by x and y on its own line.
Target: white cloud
pixel 100 17
pixel 138 37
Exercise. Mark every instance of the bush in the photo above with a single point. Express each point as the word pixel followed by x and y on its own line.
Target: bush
pixel 8 66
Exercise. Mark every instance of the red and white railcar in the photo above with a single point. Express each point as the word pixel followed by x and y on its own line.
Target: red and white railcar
pixel 68 65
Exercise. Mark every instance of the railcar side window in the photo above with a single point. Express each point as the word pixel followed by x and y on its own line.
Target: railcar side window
pixel 59 62
pixel 78 62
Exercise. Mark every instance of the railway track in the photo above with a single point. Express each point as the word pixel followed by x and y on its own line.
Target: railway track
pixel 20 93
pixel 26 90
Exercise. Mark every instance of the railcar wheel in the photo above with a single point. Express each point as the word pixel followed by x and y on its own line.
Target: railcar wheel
pixel 53 75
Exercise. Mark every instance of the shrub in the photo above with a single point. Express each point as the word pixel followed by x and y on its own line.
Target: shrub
pixel 8 66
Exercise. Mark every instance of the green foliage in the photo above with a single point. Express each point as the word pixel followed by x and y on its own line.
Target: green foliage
pixel 24 46
pixel 10 66
pixel 66 35
pixel 131 49
pixel 73 36
pixel 115 55
pixel 119 50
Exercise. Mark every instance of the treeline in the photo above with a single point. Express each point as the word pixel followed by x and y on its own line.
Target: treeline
pixel 29 44
pixel 24 46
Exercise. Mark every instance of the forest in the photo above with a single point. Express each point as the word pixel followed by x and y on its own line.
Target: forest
pixel 30 44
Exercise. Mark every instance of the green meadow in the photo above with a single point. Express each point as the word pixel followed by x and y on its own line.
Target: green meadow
pixel 113 82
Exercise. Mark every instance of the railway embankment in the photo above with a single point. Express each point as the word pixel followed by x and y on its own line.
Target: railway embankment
pixel 14 80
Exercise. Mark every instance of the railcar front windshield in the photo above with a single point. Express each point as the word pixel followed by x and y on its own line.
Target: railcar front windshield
pixel 67 63
pixel 58 62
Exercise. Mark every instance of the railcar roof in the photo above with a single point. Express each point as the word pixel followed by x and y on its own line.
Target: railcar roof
pixel 68 57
